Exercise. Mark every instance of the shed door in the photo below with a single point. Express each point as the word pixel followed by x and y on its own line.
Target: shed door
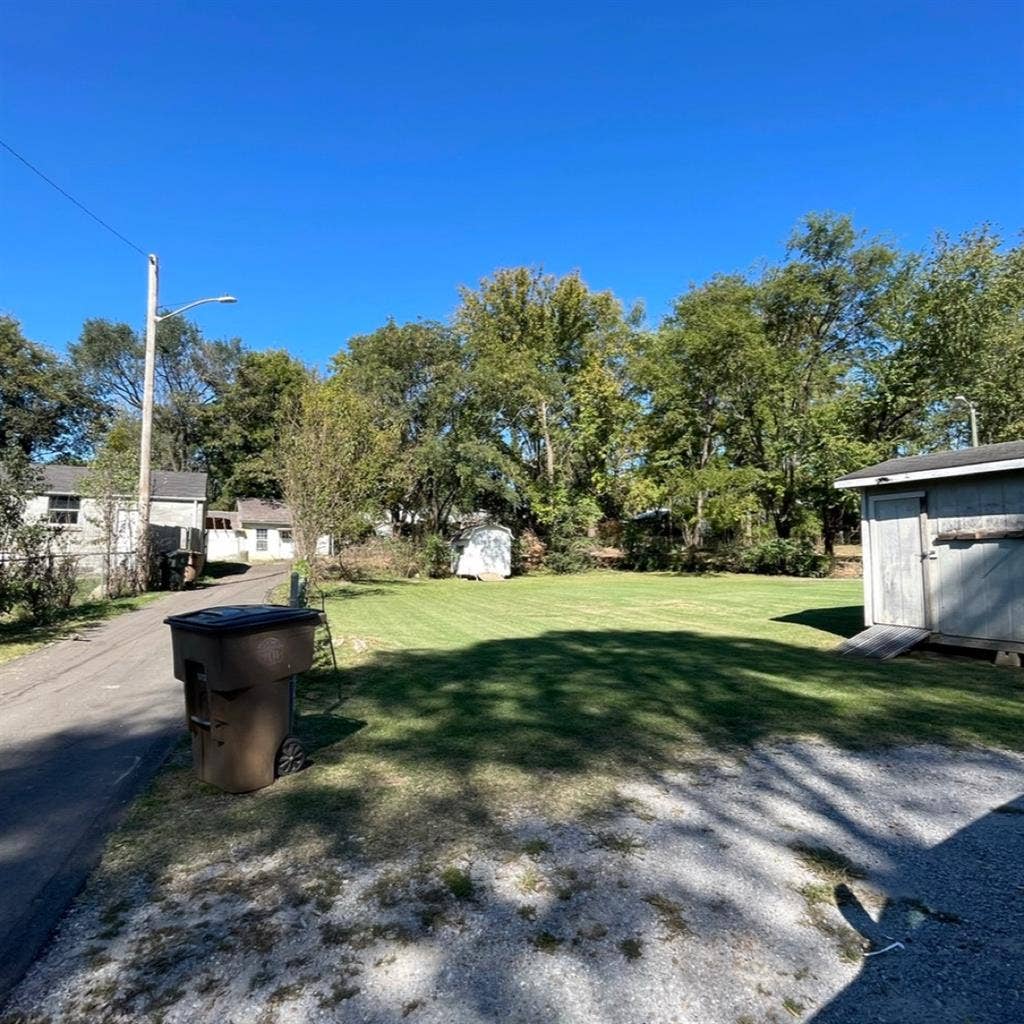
pixel 897 563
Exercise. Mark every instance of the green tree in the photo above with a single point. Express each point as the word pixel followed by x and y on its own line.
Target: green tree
pixel 956 325
pixel 821 311
pixel 44 408
pixel 334 458
pixel 701 374
pixel 191 371
pixel 417 377
pixel 241 426
pixel 548 363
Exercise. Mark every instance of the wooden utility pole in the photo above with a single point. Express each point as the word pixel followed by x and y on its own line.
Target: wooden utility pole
pixel 146 444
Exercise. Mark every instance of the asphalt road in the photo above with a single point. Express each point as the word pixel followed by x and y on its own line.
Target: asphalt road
pixel 84 723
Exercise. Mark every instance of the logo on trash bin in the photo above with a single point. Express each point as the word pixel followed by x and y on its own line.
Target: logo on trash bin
pixel 271 650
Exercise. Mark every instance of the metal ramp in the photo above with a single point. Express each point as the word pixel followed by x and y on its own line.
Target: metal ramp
pixel 883 642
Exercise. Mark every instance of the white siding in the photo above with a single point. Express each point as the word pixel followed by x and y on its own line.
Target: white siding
pixel 277 548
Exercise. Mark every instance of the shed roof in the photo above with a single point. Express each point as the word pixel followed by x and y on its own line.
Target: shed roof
pixel 986 458
pixel 468 531
pixel 264 510
pixel 164 485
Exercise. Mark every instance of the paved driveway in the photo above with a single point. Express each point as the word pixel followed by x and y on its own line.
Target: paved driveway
pixel 83 725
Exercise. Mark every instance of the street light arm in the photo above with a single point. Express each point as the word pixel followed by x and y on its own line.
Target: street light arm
pixel 192 305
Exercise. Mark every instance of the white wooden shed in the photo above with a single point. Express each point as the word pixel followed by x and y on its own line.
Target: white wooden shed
pixel 482 551
pixel 943 550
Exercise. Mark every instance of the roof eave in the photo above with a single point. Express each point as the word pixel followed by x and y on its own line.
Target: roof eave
pixel 972 469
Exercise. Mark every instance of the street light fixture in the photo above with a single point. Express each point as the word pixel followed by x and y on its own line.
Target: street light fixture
pixel 146 442
pixel 192 305
pixel 974 418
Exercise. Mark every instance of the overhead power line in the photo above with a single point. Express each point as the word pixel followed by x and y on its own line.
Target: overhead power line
pixel 67 195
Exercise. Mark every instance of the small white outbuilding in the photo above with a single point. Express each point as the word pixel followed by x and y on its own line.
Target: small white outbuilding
pixel 482 552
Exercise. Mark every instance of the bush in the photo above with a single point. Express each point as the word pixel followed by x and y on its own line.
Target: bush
pixel 48 583
pixel 785 558
pixel 568 553
pixel 437 556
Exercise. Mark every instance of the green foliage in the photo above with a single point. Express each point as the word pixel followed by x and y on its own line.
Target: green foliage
pixel 242 426
pixel 113 474
pixel 786 557
pixel 334 460
pixel 191 371
pixel 437 556
pixel 568 552
pixel 44 408
pixel 548 362
pixel 37 577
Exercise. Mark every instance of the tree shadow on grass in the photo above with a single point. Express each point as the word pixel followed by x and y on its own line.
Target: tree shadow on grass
pixel 566 699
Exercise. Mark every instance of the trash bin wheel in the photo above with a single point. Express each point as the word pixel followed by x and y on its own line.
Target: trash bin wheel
pixel 291 757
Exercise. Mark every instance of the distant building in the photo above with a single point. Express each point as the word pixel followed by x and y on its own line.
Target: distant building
pixel 258 530
pixel 266 526
pixel 177 515
pixel 482 552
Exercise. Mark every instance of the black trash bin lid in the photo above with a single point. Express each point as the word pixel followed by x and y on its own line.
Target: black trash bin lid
pixel 236 618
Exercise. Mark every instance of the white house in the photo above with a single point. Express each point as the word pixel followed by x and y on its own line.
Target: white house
pixel 177 515
pixel 258 530
pixel 482 551
pixel 264 526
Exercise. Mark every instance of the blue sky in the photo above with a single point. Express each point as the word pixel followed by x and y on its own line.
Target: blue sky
pixel 335 164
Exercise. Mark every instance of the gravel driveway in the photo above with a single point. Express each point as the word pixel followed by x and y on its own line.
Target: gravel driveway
pixel 729 893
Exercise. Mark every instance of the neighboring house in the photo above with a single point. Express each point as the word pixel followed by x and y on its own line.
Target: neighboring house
pixel 483 552
pixel 223 536
pixel 177 514
pixel 943 549
pixel 265 526
pixel 258 530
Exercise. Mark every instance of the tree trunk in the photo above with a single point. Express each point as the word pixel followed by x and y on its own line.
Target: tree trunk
pixel 549 454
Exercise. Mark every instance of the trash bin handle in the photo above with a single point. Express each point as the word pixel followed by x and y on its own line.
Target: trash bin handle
pixel 203 723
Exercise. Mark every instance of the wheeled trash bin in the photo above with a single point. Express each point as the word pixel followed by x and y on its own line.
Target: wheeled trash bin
pixel 238 664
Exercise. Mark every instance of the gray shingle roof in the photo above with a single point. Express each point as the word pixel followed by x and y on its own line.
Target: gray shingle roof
pixel 963 458
pixel 60 479
pixel 264 510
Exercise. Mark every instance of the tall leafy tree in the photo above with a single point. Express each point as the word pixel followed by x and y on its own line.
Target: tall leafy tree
pixel 241 426
pixel 702 375
pixel 821 311
pixel 418 378
pixel 45 409
pixel 191 371
pixel 956 324
pixel 333 459
pixel 548 366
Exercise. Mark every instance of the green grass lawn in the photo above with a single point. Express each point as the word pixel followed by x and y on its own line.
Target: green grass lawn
pixel 456 701
pixel 18 637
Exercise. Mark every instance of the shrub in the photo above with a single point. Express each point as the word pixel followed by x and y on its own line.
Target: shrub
pixel 781 557
pixel 568 553
pixel 437 556
pixel 48 582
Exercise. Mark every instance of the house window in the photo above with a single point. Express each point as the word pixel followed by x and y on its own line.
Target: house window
pixel 286 536
pixel 63 509
pixel 261 539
